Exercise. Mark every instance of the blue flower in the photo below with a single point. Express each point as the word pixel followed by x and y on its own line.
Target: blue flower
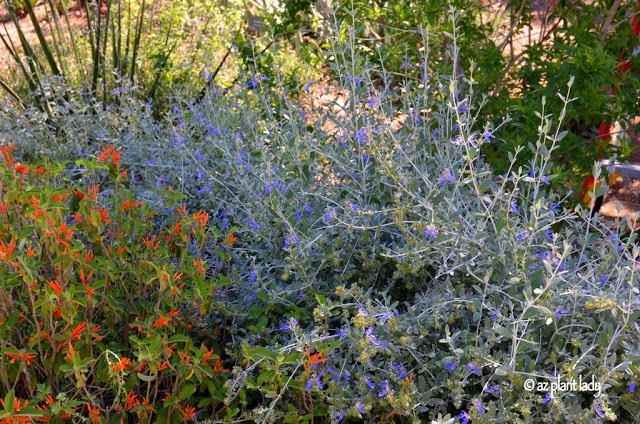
pixel 463 417
pixel 308 208
pixel 371 102
pixel 434 133
pixel 494 388
pixel 478 404
pixel 369 383
pixel 560 312
pixel 341 416
pixel 315 380
pixel 450 365
pixel 386 390
pixel 407 65
pixel 431 232
pixel 472 368
pixel 554 206
pixel 514 207
pixel 523 235
pixel 547 398
pixel 598 408
pixel 360 408
pixel 632 386
pixel 548 235
pixel 487 135
pixel 287 243
pixel 353 207
pixel 292 323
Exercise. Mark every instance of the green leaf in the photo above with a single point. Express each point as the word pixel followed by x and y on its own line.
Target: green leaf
pixel 8 400
pixel 263 353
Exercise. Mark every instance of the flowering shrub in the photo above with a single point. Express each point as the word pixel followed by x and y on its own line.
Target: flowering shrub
pixel 356 259
pixel 101 315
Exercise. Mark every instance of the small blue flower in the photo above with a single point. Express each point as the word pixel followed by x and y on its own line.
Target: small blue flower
pixel 494 388
pixel 548 235
pixel 598 408
pixel 341 416
pixel 450 365
pixel 386 390
pixel 632 386
pixel 292 323
pixel 434 133
pixel 478 404
pixel 315 380
pixel 554 206
pixel 487 135
pixel 308 208
pixel 253 275
pixel 407 65
pixel 360 408
pixel 353 207
pixel 547 398
pixel 287 243
pixel 369 383
pixel 472 368
pixel 560 312
pixel 463 417
pixel 514 207
pixel 371 102
pixel 524 235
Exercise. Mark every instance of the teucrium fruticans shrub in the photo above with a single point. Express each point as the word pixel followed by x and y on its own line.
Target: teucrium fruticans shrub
pixel 371 232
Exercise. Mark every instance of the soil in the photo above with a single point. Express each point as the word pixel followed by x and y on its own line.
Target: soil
pixel 77 19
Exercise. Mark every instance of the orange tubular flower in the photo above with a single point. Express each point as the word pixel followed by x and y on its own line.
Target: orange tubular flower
pixel 201 217
pixel 77 332
pixel 200 266
pixel 123 364
pixel 20 355
pixel 109 155
pixel 7 250
pixel 56 287
pixel 314 360
pixel 128 204
pixel 187 412
pixel 160 322
pixel 21 169
pixel 163 366
pixel 88 256
pixel 151 244
pixel 217 367
pixel 131 401
pixel 94 413
pixel 6 154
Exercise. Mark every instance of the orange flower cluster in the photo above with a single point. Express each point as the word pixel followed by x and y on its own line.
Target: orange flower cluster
pixel 314 360
pixel 20 355
pixel 6 154
pixel 128 204
pixel 123 364
pixel 47 418
pixel 109 155
pixel 17 406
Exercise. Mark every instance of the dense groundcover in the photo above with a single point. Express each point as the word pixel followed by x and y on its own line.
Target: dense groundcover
pixel 252 256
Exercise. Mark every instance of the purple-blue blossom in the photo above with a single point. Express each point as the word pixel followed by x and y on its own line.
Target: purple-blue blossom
pixel 463 417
